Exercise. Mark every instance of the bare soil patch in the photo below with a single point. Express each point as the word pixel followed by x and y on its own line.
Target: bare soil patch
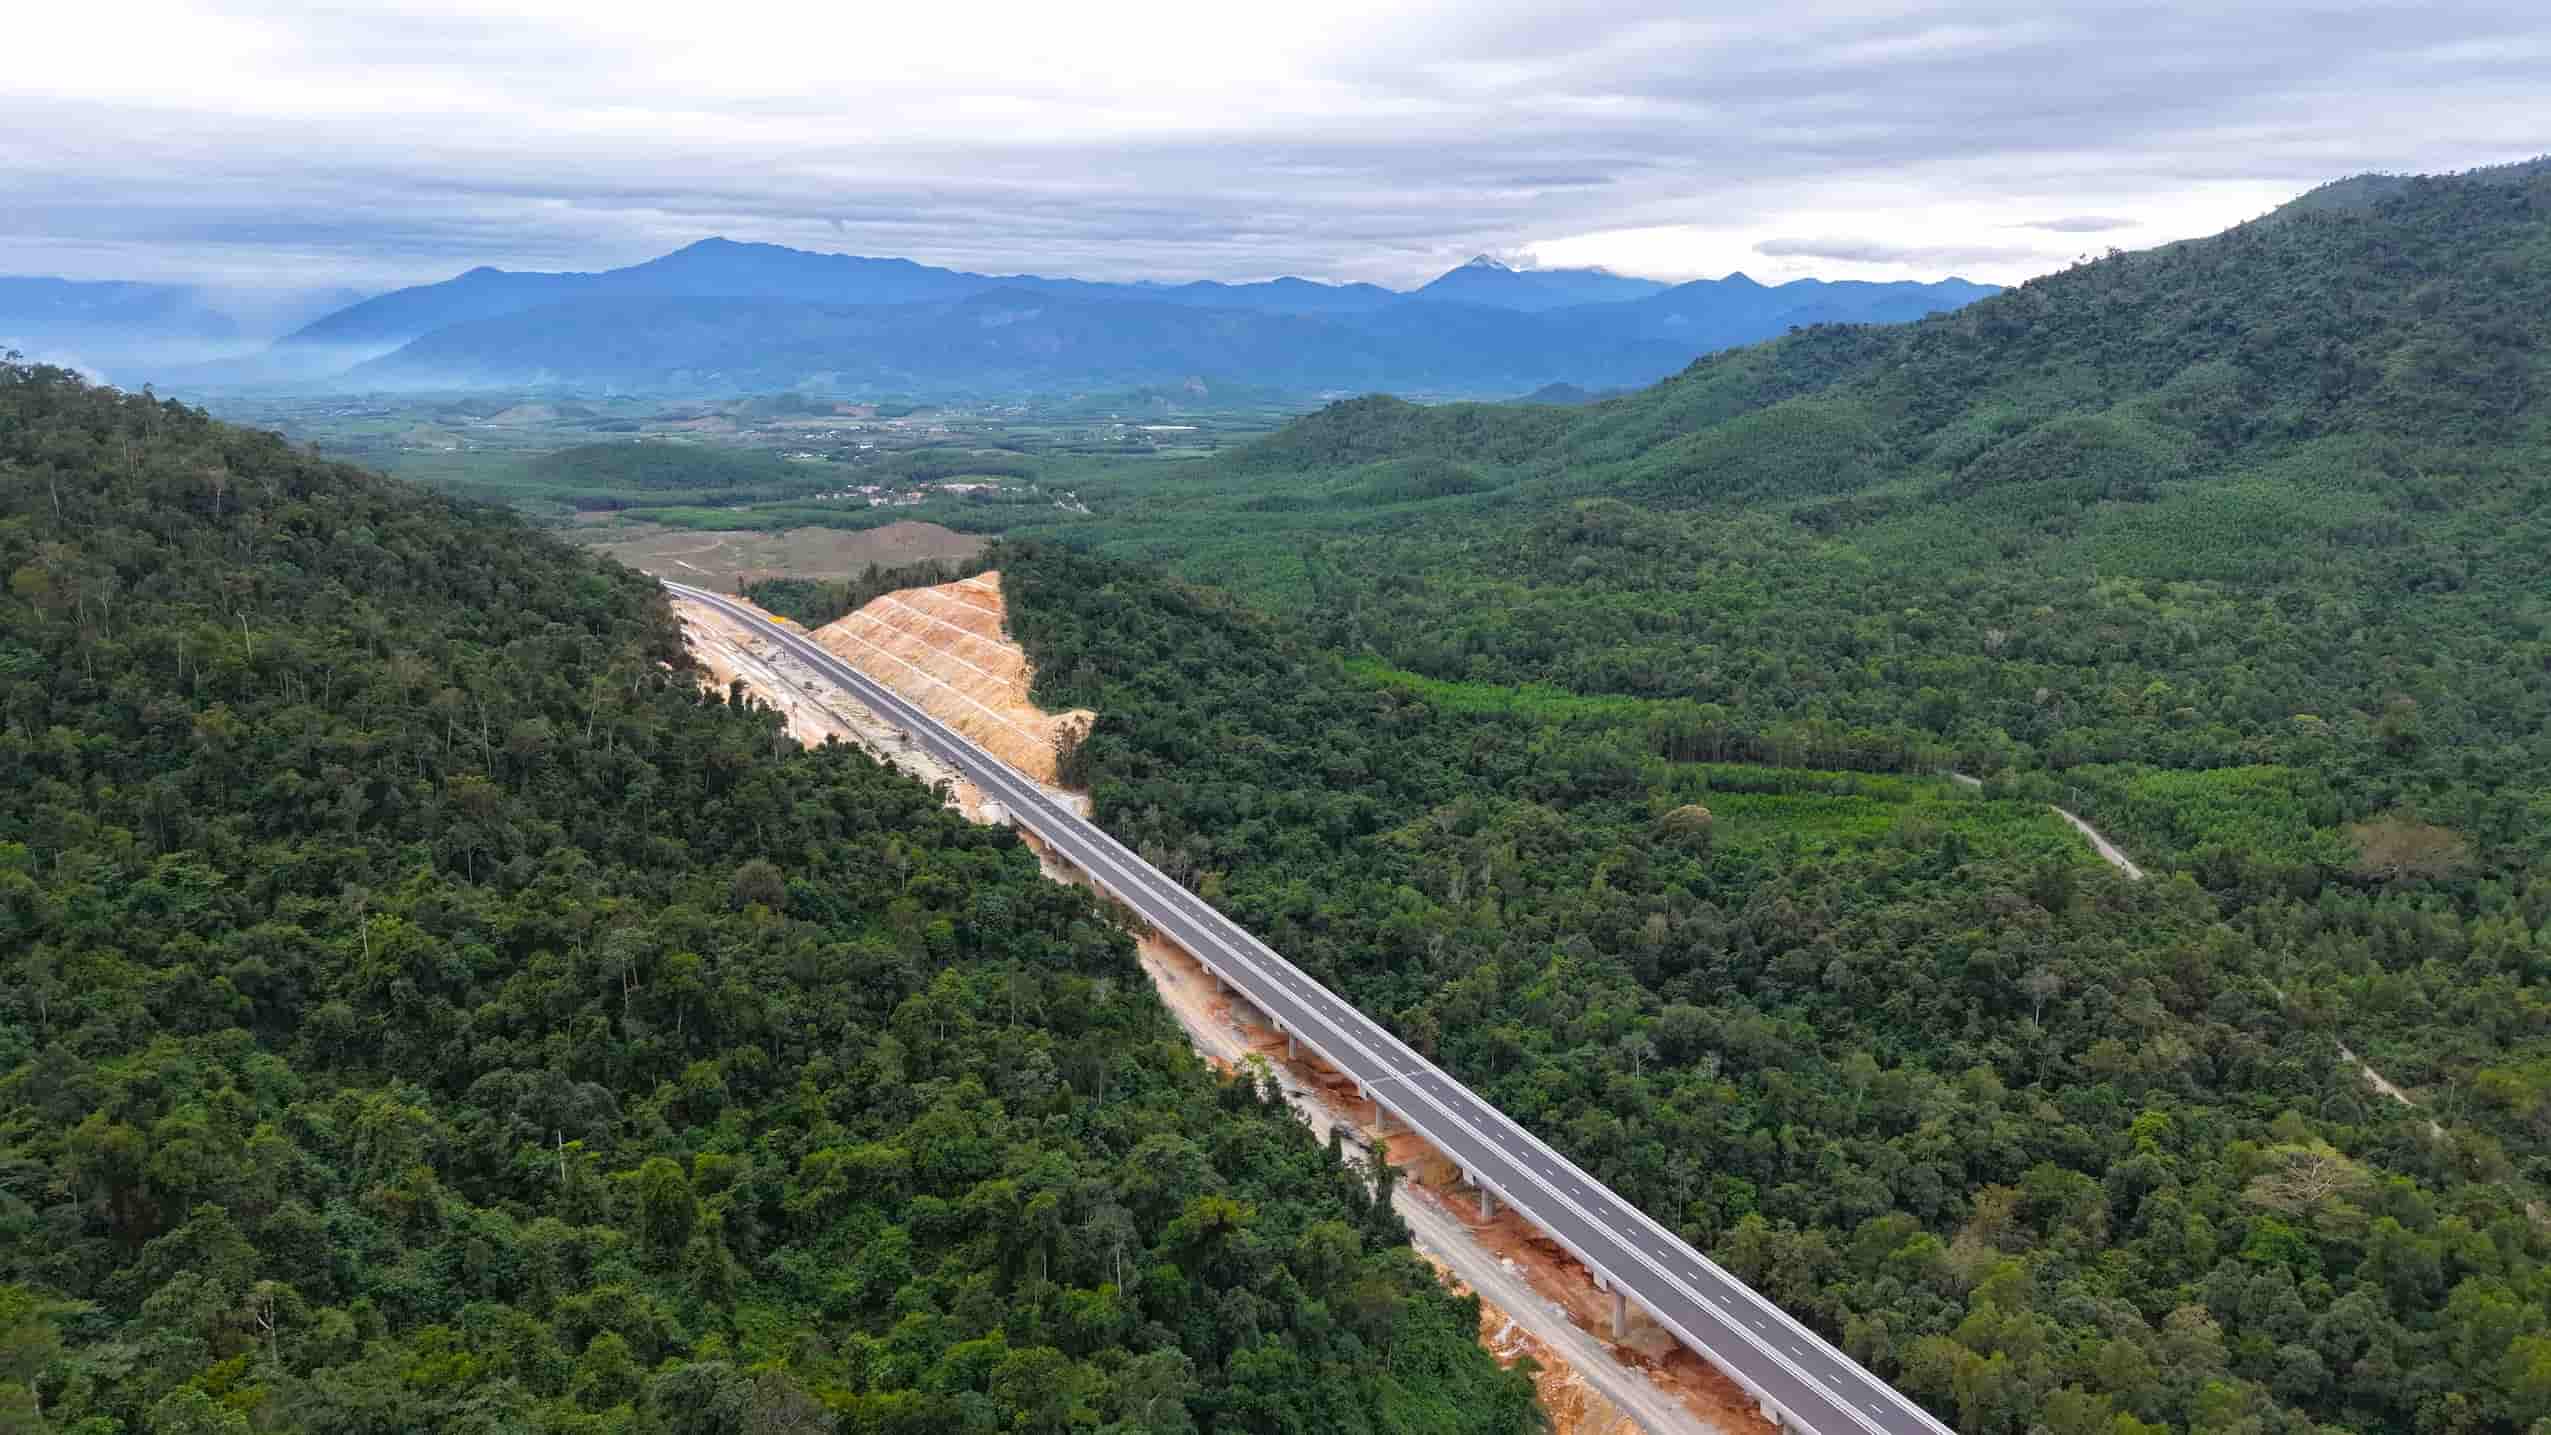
pixel 1536 1299
pixel 719 558
pixel 948 649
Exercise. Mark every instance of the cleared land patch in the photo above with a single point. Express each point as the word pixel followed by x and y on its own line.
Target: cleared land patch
pixel 947 648
pixel 717 559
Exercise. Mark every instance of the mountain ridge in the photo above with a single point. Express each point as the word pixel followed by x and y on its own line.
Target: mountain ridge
pixel 120 321
pixel 1484 280
pixel 1001 339
pixel 1499 331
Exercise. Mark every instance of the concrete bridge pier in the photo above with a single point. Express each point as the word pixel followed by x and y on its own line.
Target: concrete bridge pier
pixel 1620 1307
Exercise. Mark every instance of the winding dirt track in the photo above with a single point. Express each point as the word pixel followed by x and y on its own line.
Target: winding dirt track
pixel 2108 851
pixel 2116 858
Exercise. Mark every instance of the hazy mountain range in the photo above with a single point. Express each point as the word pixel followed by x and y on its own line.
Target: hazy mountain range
pixel 721 316
pixel 114 325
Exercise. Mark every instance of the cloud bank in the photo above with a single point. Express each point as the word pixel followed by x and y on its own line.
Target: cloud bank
pixel 1875 251
pixel 265 141
pixel 2081 224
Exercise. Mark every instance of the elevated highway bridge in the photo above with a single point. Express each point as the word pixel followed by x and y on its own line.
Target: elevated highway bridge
pixel 1798 1379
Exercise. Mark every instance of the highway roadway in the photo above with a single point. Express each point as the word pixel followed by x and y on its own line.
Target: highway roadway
pixel 1800 1379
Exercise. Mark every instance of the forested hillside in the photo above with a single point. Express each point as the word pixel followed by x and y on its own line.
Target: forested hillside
pixel 424 1009
pixel 2242 546
pixel 2048 1148
pixel 2280 498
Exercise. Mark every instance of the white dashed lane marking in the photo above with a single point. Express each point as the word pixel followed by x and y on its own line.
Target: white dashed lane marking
pixel 1311 998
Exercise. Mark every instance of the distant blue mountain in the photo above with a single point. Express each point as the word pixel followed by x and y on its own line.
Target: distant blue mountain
pixel 1273 296
pixel 1718 313
pixel 1005 340
pixel 175 309
pixel 108 325
pixel 720 314
pixel 724 268
pixel 1485 281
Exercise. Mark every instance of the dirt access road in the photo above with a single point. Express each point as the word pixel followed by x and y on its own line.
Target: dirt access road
pixel 2114 857
pixel 2108 851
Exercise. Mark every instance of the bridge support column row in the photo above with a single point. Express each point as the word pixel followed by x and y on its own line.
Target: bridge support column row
pixel 1620 1315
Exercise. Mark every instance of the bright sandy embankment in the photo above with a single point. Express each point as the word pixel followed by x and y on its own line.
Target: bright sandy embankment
pixel 947 649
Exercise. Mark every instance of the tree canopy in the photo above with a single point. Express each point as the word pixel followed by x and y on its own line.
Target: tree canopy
pixel 2238 546
pixel 426 1008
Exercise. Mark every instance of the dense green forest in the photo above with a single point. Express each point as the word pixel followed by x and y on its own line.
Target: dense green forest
pixel 2240 546
pixel 2280 498
pixel 2049 1148
pixel 425 1008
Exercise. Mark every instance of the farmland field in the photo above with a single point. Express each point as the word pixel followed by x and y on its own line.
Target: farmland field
pixel 713 557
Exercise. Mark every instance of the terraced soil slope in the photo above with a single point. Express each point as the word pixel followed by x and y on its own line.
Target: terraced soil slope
pixel 948 649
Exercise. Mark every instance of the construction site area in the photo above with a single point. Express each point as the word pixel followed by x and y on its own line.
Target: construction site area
pixel 946 648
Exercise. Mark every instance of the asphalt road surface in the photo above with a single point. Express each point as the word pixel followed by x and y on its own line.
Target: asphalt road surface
pixel 1806 1382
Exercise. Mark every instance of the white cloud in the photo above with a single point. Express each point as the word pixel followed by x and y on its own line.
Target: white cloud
pixel 274 139
pixel 2081 224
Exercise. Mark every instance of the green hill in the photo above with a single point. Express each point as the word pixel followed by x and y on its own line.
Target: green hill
pixel 2272 497
pixel 421 1008
pixel 1597 751
pixel 2364 191
pixel 2046 1147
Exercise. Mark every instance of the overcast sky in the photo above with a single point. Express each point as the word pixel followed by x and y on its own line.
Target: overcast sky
pixel 376 144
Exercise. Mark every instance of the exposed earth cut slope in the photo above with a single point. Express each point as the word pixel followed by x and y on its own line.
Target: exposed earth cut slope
pixel 947 648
